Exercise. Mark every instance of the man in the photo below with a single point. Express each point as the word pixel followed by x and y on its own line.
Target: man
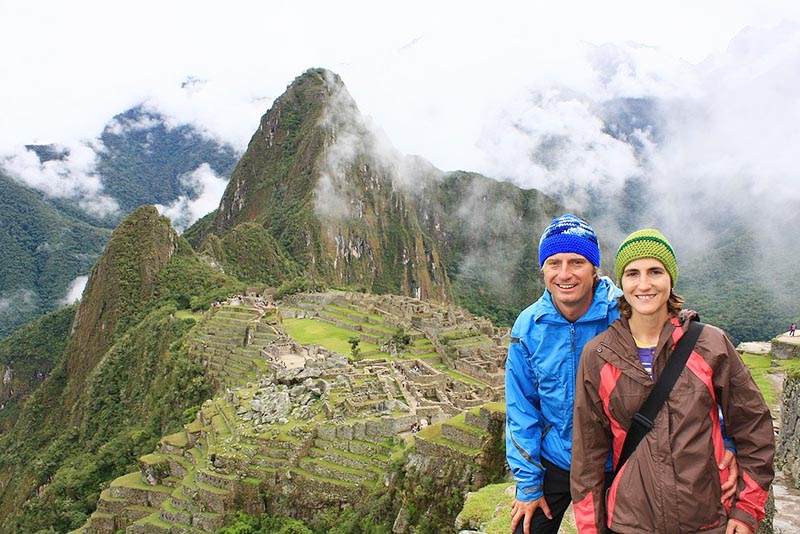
pixel 546 343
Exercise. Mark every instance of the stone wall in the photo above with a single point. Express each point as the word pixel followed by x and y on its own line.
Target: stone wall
pixel 785 351
pixel 787 456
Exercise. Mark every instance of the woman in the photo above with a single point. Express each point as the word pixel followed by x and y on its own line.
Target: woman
pixel 670 483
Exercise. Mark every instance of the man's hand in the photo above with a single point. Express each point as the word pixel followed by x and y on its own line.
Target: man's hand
pixel 524 510
pixel 729 486
pixel 736 527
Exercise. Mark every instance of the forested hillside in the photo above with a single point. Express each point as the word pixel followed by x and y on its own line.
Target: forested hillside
pixel 51 243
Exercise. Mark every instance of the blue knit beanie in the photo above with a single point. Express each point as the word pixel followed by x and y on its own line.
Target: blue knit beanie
pixel 569 234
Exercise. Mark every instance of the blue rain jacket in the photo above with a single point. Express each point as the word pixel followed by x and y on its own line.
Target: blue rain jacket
pixel 540 383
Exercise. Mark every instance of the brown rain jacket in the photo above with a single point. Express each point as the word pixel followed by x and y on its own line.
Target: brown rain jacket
pixel 671 483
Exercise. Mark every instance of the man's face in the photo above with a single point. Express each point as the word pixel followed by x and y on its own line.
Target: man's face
pixel 570 279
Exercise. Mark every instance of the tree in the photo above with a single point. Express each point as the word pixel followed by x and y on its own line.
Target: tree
pixel 355 352
pixel 398 342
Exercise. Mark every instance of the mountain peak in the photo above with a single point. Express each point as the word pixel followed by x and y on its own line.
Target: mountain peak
pixel 315 179
pixel 121 285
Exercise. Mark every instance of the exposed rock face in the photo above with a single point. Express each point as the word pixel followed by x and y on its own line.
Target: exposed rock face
pixel 311 179
pixel 786 350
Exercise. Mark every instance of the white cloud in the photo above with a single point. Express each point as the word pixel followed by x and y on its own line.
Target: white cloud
pixel 17 300
pixel 72 176
pixel 472 86
pixel 734 148
pixel 74 291
pixel 205 191
pixel 121 125
pixel 555 141
pixel 438 63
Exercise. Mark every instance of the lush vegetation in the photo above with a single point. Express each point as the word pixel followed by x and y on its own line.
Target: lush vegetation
pixel 252 254
pixel 347 521
pixel 87 423
pixel 736 288
pixel 762 366
pixel 29 357
pixel 145 158
pixel 44 250
pixel 139 393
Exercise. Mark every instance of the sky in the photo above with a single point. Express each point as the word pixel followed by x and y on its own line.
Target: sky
pixel 427 72
pixel 477 86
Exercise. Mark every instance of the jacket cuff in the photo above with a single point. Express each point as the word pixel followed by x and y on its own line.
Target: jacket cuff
pixel 529 493
pixel 743 517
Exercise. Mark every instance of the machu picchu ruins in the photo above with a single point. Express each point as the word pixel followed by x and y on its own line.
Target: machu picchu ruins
pixel 295 428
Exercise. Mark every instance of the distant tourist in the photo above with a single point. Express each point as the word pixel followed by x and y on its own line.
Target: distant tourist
pixel 670 482
pixel 792 329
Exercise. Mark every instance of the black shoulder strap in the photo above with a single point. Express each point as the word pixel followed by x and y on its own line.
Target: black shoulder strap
pixel 643 420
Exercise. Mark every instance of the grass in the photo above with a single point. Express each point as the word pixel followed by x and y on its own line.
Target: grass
pixel 433 433
pixel 134 480
pixel 495 406
pixel 459 421
pixel 458 376
pixel 373 317
pixel 188 314
pixel 489 509
pixel 334 338
pixel 761 367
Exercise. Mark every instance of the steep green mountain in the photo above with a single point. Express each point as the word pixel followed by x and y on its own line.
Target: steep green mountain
pixel 336 213
pixel 101 393
pixel 44 249
pixel 345 208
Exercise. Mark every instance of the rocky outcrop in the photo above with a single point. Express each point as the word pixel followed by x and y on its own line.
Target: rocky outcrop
pixel 786 348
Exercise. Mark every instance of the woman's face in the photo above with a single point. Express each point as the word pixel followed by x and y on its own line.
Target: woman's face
pixel 646 286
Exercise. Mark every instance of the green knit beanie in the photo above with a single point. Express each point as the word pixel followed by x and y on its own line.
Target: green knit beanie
pixel 646 243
